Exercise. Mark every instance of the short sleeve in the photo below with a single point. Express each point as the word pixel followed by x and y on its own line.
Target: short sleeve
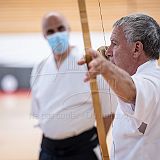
pixel 147 97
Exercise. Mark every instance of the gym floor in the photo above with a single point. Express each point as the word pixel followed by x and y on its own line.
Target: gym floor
pixel 19 140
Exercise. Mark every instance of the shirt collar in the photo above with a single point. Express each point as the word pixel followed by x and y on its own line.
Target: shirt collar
pixel 147 66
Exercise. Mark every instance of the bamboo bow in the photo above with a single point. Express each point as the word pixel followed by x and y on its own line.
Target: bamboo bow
pixel 93 83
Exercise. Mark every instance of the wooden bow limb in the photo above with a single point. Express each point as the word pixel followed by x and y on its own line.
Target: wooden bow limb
pixel 93 84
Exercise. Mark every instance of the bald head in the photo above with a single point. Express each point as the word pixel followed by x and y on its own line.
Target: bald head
pixel 54 22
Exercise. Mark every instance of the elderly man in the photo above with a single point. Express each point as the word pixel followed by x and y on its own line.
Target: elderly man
pixel 134 76
pixel 61 101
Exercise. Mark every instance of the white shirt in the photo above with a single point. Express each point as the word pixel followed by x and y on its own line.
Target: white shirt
pixel 128 142
pixel 62 101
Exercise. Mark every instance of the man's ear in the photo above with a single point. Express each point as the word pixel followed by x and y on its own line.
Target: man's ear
pixel 138 49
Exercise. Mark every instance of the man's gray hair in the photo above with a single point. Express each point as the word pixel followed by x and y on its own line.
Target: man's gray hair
pixel 140 27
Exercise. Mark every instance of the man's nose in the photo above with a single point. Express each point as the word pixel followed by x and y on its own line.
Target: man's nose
pixel 109 52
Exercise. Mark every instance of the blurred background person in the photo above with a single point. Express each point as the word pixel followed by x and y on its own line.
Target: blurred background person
pixel 61 101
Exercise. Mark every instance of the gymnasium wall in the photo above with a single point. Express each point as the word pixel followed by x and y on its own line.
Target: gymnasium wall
pixel 22 44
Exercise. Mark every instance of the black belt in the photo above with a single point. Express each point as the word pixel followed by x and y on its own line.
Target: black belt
pixel 77 144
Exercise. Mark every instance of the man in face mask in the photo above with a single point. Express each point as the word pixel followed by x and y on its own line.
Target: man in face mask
pixel 61 101
pixel 56 31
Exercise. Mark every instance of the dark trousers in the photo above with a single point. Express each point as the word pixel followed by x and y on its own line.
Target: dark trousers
pixel 75 148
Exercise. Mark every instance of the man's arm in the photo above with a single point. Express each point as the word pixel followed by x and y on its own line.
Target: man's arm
pixel 119 80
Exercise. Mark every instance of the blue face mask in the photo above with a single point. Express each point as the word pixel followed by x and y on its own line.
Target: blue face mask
pixel 59 42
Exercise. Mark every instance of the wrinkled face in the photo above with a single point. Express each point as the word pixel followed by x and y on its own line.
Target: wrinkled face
pixel 54 23
pixel 120 52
